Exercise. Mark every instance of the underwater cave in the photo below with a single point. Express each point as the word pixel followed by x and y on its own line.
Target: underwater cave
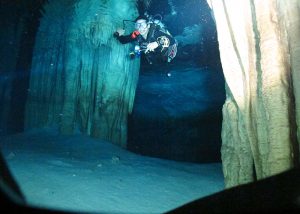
pixel 88 124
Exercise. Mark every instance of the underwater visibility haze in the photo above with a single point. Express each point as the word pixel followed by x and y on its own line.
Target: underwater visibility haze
pixel 86 127
pixel 125 107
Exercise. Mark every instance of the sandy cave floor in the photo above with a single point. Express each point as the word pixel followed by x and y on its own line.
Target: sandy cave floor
pixel 79 173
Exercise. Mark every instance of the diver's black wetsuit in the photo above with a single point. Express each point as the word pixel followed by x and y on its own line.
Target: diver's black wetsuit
pixel 167 44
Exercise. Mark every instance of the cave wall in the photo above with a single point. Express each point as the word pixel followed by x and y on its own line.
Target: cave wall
pixel 259 48
pixel 82 78
pixel 19 21
pixel 13 20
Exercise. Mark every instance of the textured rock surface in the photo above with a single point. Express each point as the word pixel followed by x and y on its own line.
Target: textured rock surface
pixel 259 48
pixel 81 76
pixel 13 19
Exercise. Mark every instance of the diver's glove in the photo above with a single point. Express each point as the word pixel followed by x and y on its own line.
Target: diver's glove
pixel 119 32
pixel 116 34
pixel 151 46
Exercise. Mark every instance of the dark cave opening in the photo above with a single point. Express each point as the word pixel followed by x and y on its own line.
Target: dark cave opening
pixel 190 133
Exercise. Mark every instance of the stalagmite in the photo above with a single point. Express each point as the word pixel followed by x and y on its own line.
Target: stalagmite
pixel 82 78
pixel 259 48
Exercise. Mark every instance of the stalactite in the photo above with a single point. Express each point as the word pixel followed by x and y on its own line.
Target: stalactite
pixel 258 47
pixel 94 79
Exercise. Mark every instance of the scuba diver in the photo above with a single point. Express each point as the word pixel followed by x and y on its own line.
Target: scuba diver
pixel 152 39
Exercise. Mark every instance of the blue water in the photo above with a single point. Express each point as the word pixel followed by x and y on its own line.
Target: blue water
pixel 173 154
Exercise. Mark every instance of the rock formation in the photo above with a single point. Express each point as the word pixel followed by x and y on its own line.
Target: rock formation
pixel 18 21
pixel 81 77
pixel 260 50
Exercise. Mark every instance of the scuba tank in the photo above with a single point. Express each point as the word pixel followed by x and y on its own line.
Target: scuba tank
pixel 157 22
pixel 152 19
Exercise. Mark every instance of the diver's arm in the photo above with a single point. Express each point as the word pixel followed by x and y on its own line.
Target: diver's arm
pixel 124 39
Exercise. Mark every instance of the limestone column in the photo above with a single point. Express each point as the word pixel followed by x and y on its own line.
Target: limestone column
pixel 259 114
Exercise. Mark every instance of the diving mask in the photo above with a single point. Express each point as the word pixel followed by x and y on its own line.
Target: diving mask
pixel 140 24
